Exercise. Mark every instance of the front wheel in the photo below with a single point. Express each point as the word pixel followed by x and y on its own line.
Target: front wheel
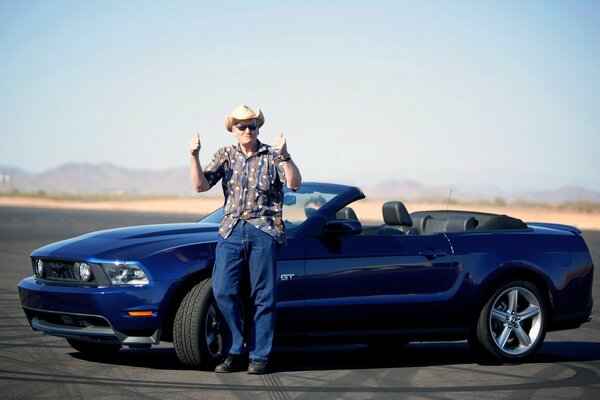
pixel 512 324
pixel 198 328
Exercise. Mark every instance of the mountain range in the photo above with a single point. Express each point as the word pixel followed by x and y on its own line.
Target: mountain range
pixel 105 178
pixel 109 179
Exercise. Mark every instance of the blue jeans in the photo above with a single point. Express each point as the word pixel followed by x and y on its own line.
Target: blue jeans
pixel 247 252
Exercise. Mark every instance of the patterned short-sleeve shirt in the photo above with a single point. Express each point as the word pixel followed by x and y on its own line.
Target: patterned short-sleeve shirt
pixel 253 188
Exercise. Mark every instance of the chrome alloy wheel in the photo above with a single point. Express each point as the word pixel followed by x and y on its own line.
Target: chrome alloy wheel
pixel 212 332
pixel 515 321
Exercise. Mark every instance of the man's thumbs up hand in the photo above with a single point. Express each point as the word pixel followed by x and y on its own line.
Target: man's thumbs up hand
pixel 195 145
pixel 281 147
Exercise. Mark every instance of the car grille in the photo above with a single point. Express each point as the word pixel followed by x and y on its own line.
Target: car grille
pixel 61 271
pixel 64 319
pixel 56 270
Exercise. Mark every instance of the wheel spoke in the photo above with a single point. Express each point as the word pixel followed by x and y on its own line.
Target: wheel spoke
pixel 211 337
pixel 523 337
pixel 529 312
pixel 504 336
pixel 212 313
pixel 513 300
pixel 212 334
pixel 500 315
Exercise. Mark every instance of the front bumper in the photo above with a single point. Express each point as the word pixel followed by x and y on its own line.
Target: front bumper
pixel 95 314
pixel 79 327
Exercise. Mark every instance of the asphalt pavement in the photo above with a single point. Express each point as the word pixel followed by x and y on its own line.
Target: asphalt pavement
pixel 36 366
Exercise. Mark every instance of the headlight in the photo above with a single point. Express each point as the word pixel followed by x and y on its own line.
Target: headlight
pixel 84 271
pixel 125 274
pixel 39 268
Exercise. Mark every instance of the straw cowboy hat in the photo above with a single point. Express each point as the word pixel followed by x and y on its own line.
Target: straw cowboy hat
pixel 242 113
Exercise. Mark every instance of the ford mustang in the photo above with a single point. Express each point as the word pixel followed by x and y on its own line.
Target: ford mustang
pixel 491 279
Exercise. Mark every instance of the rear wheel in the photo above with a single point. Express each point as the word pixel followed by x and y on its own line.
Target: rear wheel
pixel 93 349
pixel 512 324
pixel 198 336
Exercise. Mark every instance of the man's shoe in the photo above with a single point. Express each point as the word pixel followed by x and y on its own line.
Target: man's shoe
pixel 257 367
pixel 230 364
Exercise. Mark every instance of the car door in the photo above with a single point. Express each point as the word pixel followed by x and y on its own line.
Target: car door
pixel 291 296
pixel 363 283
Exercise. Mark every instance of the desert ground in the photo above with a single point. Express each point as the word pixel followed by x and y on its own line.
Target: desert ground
pixel 37 366
pixel 366 210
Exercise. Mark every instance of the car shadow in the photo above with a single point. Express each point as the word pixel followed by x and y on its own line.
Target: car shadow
pixel 156 358
pixel 418 355
pixel 294 358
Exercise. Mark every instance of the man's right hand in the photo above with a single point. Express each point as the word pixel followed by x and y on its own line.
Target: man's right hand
pixel 195 145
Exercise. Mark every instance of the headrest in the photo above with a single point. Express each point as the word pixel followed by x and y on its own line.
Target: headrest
pixel 460 223
pixel 346 213
pixel 394 213
pixel 420 222
pixel 435 225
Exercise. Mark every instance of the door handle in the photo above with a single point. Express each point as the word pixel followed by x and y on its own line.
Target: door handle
pixel 431 254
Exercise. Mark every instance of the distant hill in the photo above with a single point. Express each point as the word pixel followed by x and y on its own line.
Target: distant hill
pixel 566 194
pixel 83 178
pixel 106 178
pixel 409 190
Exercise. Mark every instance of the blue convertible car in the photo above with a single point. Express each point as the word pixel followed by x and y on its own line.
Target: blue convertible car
pixel 439 275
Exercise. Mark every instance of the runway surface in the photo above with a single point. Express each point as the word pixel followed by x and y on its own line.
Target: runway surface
pixel 35 366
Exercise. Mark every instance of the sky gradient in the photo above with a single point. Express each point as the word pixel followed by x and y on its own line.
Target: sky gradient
pixel 502 94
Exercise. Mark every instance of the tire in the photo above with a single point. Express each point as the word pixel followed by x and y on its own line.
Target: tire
pixel 477 347
pixel 93 349
pixel 512 325
pixel 198 333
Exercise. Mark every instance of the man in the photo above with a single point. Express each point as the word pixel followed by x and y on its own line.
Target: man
pixel 251 231
pixel 313 204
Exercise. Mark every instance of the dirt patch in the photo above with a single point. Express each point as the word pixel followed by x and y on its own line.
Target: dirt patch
pixel 366 210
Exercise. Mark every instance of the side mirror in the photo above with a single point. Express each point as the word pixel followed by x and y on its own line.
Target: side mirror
pixel 342 227
pixel 289 199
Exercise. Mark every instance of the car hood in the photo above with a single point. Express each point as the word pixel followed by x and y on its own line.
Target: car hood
pixel 132 243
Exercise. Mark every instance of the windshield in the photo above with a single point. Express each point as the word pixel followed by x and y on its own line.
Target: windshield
pixel 297 206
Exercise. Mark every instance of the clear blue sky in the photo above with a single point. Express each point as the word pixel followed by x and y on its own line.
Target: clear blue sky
pixel 443 92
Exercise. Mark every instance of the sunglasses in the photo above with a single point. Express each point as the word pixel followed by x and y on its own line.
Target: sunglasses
pixel 252 127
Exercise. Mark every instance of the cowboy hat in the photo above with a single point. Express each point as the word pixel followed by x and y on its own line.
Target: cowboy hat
pixel 242 113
